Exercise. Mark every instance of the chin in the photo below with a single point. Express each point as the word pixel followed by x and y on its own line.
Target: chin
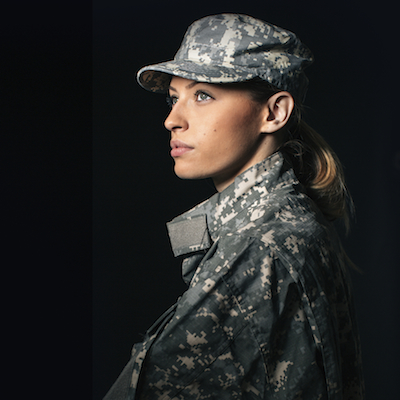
pixel 185 173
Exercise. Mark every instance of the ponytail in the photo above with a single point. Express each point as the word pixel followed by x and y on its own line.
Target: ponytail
pixel 318 168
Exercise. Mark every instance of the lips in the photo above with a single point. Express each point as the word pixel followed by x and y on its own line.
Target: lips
pixel 179 148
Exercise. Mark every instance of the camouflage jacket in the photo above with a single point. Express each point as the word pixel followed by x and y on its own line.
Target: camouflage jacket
pixel 268 312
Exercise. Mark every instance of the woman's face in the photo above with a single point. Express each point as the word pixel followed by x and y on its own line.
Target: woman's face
pixel 215 131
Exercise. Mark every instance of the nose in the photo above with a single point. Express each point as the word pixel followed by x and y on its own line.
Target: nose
pixel 176 120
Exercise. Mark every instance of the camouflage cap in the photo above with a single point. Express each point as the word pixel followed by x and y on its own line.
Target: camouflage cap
pixel 227 48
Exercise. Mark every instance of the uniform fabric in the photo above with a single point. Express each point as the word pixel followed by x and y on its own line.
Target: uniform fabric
pixel 233 48
pixel 268 311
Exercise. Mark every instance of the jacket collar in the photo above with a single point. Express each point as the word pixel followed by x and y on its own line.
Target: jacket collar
pixel 198 228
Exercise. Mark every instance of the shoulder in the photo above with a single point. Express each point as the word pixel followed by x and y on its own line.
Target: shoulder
pixel 282 218
pixel 288 228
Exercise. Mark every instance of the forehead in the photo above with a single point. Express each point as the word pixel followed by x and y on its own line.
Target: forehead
pixel 178 82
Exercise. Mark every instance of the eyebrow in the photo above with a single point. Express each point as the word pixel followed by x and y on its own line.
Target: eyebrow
pixel 186 87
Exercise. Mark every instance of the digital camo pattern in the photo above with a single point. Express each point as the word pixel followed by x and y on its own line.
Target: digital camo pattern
pixel 232 48
pixel 268 312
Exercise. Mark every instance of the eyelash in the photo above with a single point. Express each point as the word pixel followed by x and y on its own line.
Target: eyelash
pixel 170 99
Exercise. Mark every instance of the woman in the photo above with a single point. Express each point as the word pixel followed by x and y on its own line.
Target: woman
pixel 268 312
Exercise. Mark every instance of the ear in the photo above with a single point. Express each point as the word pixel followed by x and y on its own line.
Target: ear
pixel 277 111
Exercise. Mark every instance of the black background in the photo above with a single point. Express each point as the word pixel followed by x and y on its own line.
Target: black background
pixel 89 182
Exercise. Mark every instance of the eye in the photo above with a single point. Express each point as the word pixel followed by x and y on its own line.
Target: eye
pixel 202 96
pixel 171 100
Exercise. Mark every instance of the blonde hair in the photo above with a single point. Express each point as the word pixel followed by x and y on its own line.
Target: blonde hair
pixel 319 169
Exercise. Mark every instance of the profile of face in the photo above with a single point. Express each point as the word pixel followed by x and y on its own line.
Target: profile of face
pixel 219 132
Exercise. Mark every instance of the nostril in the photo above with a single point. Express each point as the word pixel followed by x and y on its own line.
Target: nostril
pixel 171 125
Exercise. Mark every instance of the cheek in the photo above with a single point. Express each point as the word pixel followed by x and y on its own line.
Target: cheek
pixel 227 131
pixel 240 133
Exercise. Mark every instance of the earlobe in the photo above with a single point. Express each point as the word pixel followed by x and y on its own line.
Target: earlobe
pixel 277 111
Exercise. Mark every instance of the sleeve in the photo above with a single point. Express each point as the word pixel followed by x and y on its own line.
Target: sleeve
pixel 238 332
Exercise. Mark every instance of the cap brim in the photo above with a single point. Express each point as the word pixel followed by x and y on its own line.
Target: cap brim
pixel 156 78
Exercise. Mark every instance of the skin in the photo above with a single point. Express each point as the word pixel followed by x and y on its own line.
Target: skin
pixel 219 132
